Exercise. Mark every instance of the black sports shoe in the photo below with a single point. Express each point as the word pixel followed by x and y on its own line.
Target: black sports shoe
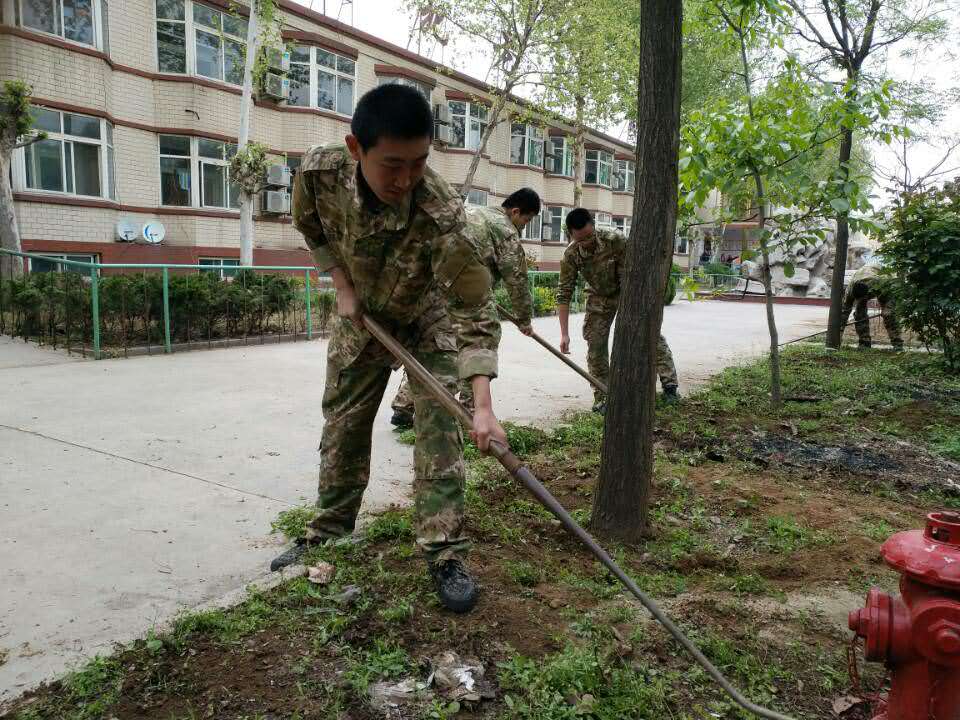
pixel 671 394
pixel 865 343
pixel 290 556
pixel 402 419
pixel 456 588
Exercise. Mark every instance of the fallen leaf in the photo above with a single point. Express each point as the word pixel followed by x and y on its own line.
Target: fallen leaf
pixel 846 702
pixel 321 573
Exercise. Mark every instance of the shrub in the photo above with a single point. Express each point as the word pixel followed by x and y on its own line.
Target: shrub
pixel 922 248
pixel 544 301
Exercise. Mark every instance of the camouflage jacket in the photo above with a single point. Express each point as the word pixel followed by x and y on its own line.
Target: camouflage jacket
pixel 394 256
pixel 497 242
pixel 601 267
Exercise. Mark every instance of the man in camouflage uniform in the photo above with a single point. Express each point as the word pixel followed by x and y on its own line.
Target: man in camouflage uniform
pixel 866 283
pixel 495 235
pixel 387 229
pixel 598 255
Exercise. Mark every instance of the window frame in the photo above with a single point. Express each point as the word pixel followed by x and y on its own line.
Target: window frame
pixel 622 225
pixel 603 220
pixel 99 24
pixel 566 156
pixel 197 163
pixel 600 163
pixel 549 215
pixel 424 89
pixel 106 158
pixel 624 175
pixel 532 135
pixel 486 198
pixel 315 69
pixel 190 29
pixel 481 119
pixel 60 268
pixel 217 265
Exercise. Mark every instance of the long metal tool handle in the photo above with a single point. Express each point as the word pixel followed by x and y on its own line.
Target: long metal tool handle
pixel 520 471
pixel 599 385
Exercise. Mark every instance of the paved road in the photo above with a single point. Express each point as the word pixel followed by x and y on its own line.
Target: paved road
pixel 132 489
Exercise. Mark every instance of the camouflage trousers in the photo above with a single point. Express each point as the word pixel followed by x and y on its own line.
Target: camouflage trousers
pixel 856 298
pixel 403 400
pixel 350 403
pixel 600 313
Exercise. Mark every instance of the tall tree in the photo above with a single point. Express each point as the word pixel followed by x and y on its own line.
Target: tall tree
pixel 16 125
pixel 852 36
pixel 513 34
pixel 621 502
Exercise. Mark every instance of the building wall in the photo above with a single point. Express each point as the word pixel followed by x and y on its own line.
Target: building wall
pixel 126 88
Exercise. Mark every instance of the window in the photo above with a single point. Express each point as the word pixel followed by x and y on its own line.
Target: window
pixel 680 245
pixel 424 89
pixel 477 197
pixel 82 21
pixel 561 160
pixel 603 220
pixel 184 158
pixel 43 266
pixel 221 267
pixel 194 38
pixel 76 158
pixel 622 226
pixel 625 175
pixel 553 217
pixel 468 122
pixel 532 229
pixel 597 171
pixel 321 79
pixel 293 162
pixel 526 145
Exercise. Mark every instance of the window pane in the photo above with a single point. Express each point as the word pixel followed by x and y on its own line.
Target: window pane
pixel 105 26
pixel 44 166
pixel 476 132
pixel 457 131
pixel 206 16
pixel 300 54
pixel 210 148
pixel 86 168
pixel 175 181
pixel 44 119
pixel 81 126
pixel 111 174
pixel 590 172
pixel 170 9
pixel 78 20
pixel 327 59
pixel 478 111
pixel 457 107
pixel 41 15
pixel 209 56
pixel 234 59
pixel 345 65
pixel 234 196
pixel 518 146
pixel 68 166
pixel 535 153
pixel 326 90
pixel 345 96
pixel 213 187
pixel 175 145
pixel 171 47
pixel 235 26
pixel 299 85
pixel 43 266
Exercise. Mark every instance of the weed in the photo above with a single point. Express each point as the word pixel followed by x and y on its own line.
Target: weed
pixel 407 437
pixel 785 535
pixel 390 525
pixel 877 529
pixel 224 625
pixel 523 573
pixel 293 522
pixel 383 660
pixel 400 611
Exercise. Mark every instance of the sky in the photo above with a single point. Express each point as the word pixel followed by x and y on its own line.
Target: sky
pixel 936 67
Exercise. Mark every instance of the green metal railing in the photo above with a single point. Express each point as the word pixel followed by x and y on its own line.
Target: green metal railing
pixel 160 306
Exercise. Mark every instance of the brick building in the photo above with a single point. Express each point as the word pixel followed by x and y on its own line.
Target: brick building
pixel 140 100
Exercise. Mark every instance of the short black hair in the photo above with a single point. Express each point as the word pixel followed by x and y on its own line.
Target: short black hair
pixel 578 218
pixel 394 111
pixel 525 200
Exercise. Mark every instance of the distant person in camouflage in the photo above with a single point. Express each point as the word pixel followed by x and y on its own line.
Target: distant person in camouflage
pixel 598 255
pixel 495 234
pixel 865 284
pixel 388 229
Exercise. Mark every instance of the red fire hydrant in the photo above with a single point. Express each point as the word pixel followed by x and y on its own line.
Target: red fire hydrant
pixel 917 634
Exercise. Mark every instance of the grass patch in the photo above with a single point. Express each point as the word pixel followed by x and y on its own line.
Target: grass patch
pixel 293 522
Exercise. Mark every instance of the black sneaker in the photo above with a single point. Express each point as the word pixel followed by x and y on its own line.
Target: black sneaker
pixel 402 419
pixel 456 588
pixel 865 343
pixel 290 556
pixel 671 395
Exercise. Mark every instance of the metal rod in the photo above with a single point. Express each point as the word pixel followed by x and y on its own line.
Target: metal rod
pixel 95 310
pixel 576 368
pixel 307 291
pixel 513 465
pixel 166 312
pixel 822 332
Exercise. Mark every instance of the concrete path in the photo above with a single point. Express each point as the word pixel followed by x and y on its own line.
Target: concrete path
pixel 132 489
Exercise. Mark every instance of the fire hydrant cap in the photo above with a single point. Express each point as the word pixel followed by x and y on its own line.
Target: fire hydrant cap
pixel 932 555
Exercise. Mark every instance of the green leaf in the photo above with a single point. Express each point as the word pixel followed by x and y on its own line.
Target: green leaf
pixel 684 162
pixel 788 270
pixel 840 205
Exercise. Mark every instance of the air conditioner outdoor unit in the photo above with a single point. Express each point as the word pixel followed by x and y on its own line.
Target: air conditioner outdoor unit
pixel 278 60
pixel 442 134
pixel 276 86
pixel 441 113
pixel 278 175
pixel 275 202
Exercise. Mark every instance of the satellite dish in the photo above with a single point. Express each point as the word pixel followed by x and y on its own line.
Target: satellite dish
pixel 126 231
pixel 154 232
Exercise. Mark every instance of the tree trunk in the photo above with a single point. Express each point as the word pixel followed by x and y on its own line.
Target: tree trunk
pixel 492 123
pixel 621 500
pixel 10 265
pixel 834 324
pixel 578 139
pixel 246 109
pixel 776 392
